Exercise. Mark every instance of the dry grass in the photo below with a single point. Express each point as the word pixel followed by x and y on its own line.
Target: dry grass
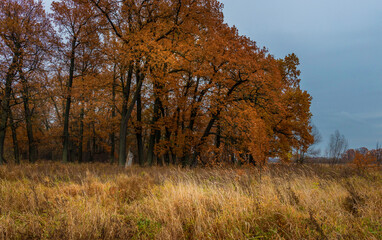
pixel 100 201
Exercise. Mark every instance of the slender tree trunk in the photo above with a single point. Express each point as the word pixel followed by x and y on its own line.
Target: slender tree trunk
pixel 89 150
pixel 3 126
pixel 168 152
pixel 218 134
pixel 150 150
pixel 218 153
pixel 16 150
pixel 112 143
pixel 5 106
pixel 153 134
pixel 94 148
pixel 174 155
pixel 167 136
pixel 194 111
pixel 139 127
pixel 124 122
pixel 194 160
pixel 65 150
pixel 157 140
pixel 81 143
pixel 122 139
pixel 31 141
pixel 28 119
pixel 113 114
pixel 218 127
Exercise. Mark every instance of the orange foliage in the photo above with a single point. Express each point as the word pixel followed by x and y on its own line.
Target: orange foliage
pixel 170 78
pixel 363 160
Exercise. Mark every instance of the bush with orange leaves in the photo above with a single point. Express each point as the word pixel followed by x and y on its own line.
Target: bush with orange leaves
pixel 363 160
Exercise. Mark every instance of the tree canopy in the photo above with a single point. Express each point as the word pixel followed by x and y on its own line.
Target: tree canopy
pixel 167 80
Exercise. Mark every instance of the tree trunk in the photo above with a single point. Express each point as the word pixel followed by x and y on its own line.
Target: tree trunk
pixel 81 143
pixel 139 127
pixel 126 114
pixel 113 114
pixel 167 136
pixel 5 106
pixel 122 139
pixel 112 145
pixel 95 150
pixel 194 160
pixel 123 123
pixel 65 150
pixel 153 134
pixel 218 134
pixel 16 151
pixel 157 140
pixel 28 119
pixel 168 152
pixel 173 154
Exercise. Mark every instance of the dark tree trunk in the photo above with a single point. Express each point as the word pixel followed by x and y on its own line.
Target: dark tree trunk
pixel 94 147
pixel 89 150
pixel 113 114
pixel 218 134
pixel 28 118
pixel 65 150
pixel 194 160
pixel 174 156
pixel 157 140
pixel 153 134
pixel 81 143
pixel 126 114
pixel 112 150
pixel 123 124
pixel 16 150
pixel 168 152
pixel 122 139
pixel 167 136
pixel 139 127
pixel 5 106
pixel 31 141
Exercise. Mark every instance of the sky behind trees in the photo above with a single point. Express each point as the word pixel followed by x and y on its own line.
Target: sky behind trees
pixel 338 43
pixel 339 46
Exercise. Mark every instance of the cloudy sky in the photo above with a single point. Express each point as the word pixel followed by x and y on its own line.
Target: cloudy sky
pixel 339 46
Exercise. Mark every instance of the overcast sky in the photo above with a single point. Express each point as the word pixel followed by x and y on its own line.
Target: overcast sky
pixel 339 46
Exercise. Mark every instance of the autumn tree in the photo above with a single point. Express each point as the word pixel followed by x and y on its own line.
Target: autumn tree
pixel 77 23
pixel 363 158
pixel 25 35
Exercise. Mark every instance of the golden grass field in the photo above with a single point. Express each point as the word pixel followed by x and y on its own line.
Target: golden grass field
pixel 102 201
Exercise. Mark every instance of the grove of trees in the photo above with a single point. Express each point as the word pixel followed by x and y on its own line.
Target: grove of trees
pixel 167 80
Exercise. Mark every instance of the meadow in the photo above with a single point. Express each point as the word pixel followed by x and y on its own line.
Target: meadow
pixel 101 201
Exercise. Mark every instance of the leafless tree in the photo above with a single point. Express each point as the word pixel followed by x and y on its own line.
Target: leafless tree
pixel 312 151
pixel 337 147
